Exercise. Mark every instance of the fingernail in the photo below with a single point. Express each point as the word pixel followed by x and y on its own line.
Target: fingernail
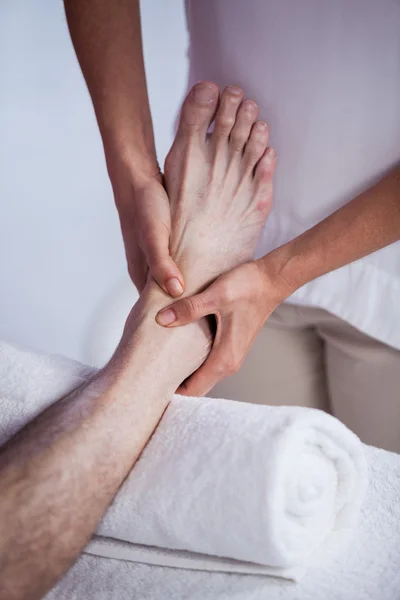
pixel 166 317
pixel 204 93
pixel 174 287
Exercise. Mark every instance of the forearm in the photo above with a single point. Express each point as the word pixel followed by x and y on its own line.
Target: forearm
pixel 59 474
pixel 368 223
pixel 107 38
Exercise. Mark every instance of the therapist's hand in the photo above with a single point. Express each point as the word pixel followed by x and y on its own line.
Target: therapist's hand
pixel 144 213
pixel 241 300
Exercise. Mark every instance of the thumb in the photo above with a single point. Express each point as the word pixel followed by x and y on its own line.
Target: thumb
pixel 189 309
pixel 161 266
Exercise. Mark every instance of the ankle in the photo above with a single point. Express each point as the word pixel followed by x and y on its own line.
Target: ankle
pixel 169 354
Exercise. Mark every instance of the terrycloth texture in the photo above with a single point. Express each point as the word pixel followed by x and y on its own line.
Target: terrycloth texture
pixel 252 483
pixel 367 570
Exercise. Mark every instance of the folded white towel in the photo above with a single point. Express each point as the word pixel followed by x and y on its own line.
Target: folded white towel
pixel 252 483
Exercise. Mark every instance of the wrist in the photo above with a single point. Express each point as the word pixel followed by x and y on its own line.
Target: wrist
pixel 124 161
pixel 129 178
pixel 280 270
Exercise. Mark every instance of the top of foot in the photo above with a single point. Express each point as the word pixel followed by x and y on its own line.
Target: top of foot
pixel 219 184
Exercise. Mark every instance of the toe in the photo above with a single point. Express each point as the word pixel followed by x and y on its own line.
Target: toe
pixel 246 116
pixel 225 117
pixel 256 145
pixel 266 166
pixel 263 174
pixel 198 109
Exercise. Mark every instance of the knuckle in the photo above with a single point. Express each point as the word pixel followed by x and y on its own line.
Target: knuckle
pixel 220 369
pixel 192 306
pixel 237 142
pixel 227 293
pixel 233 366
pixel 225 123
pixel 228 366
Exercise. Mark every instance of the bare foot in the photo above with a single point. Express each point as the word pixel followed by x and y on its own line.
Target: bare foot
pixel 219 185
pixel 220 191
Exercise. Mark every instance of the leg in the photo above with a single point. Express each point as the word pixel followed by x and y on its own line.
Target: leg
pixel 59 474
pixel 285 365
pixel 364 383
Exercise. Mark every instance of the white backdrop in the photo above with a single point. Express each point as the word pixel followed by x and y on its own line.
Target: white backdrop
pixel 61 255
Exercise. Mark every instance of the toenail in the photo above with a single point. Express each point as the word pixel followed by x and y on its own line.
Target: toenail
pixel 271 154
pixel 234 89
pixel 261 126
pixel 250 106
pixel 205 94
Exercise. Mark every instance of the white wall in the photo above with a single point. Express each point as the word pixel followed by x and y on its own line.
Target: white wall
pixel 61 253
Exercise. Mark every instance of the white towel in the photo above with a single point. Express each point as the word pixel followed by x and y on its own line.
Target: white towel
pixel 251 483
pixel 368 569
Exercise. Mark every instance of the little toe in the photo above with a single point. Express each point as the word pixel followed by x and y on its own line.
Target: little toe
pixel 246 116
pixel 256 145
pixel 198 109
pixel 266 166
pixel 225 117
pixel 263 175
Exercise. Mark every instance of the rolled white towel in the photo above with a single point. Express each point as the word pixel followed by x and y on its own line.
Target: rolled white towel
pixel 261 484
pixel 254 483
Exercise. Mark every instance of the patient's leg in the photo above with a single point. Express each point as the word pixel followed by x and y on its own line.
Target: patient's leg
pixel 59 474
pixel 220 189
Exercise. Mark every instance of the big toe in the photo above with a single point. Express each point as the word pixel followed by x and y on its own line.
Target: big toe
pixel 198 109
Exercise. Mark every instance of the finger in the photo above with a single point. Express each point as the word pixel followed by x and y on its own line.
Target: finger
pixel 224 360
pixel 162 267
pixel 189 309
pixel 198 384
pixel 209 374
